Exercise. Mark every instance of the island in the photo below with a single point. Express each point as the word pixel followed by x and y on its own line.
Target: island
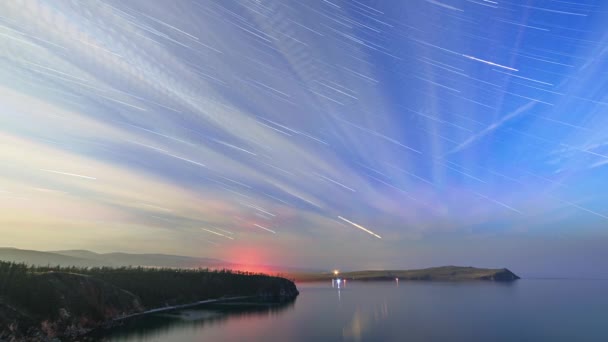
pixel 41 303
pixel 443 273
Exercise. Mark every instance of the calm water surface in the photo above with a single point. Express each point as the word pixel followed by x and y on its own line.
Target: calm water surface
pixel 526 310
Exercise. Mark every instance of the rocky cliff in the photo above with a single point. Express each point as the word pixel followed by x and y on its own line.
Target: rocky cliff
pixel 42 306
pixel 66 305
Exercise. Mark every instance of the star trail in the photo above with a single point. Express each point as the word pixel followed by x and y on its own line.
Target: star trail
pixel 306 130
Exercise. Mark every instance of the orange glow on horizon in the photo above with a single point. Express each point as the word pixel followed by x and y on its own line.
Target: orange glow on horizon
pixel 248 259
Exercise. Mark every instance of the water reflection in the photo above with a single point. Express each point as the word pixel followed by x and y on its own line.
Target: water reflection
pixel 151 326
pixel 530 310
pixel 339 284
pixel 364 320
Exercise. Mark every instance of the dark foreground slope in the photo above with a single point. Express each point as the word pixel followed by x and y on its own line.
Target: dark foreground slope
pixel 38 303
pixel 444 273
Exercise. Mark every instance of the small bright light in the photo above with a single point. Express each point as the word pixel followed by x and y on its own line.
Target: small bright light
pixel 336 272
pixel 339 280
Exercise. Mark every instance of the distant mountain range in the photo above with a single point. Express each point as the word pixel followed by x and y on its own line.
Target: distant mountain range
pixel 84 258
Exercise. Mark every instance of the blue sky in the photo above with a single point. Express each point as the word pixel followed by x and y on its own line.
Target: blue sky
pixel 352 134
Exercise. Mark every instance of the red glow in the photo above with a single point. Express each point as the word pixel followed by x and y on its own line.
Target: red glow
pixel 255 269
pixel 249 259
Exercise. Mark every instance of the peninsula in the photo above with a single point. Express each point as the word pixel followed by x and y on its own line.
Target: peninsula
pixel 443 273
pixel 40 303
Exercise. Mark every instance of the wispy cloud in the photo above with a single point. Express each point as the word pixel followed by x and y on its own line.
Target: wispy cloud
pixel 144 125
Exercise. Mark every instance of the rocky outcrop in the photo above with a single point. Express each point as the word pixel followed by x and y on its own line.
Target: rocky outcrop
pixel 69 305
pixel 501 275
pixel 14 325
pixel 284 290
pixel 85 302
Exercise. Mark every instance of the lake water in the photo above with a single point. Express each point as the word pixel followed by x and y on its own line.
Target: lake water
pixel 525 310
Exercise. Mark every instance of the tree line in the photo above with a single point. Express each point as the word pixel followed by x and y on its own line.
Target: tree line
pixel 29 287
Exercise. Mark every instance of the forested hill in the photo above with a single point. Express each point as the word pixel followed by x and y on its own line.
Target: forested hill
pixel 44 302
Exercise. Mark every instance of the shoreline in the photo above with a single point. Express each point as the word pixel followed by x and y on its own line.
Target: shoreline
pixel 181 306
pixel 53 302
pixel 441 273
pixel 119 320
pixel 392 279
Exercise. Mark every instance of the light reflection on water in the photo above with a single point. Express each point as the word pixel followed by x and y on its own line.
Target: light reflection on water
pixel 167 326
pixel 525 310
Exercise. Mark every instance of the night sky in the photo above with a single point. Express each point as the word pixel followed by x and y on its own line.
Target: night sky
pixel 348 134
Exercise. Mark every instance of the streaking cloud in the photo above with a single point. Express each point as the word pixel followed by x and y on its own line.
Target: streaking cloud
pixel 210 127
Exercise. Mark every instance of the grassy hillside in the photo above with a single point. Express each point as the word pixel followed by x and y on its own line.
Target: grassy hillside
pixel 40 302
pixel 444 273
